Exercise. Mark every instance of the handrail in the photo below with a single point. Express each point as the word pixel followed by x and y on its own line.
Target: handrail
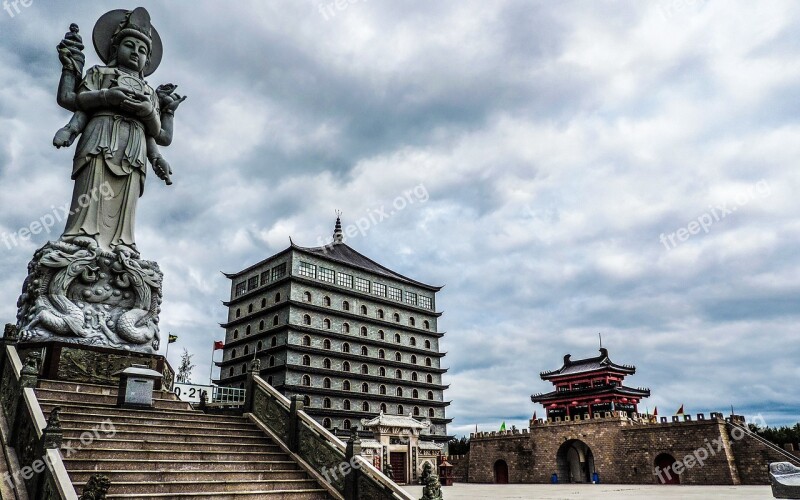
pixel 55 465
pixel 34 411
pixel 13 355
pixel 53 459
pixel 769 444
pixel 322 431
pixel 382 479
pixel 335 441
pixel 366 467
pixel 271 390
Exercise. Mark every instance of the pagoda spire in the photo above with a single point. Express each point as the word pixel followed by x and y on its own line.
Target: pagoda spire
pixel 338 236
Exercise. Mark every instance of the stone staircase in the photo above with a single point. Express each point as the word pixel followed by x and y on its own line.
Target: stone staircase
pixel 170 452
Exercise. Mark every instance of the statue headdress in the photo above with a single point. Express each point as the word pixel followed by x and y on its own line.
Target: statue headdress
pixel 113 26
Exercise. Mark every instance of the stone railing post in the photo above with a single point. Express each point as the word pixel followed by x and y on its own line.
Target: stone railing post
pixel 27 378
pixel 30 370
pixel 353 450
pixel 9 338
pixel 203 401
pixel 52 434
pixel 52 437
pixel 250 385
pixel 295 406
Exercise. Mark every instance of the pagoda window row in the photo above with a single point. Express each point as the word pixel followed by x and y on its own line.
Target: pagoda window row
pixel 308 270
pixel 364 369
pixel 364 310
pixel 381 353
pixel 277 272
pixel 345 328
pixel 251 307
pixel 346 385
pixel 346 424
pixel 262 326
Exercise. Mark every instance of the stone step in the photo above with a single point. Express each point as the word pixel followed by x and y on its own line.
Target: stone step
pixel 151 487
pixel 195 464
pixel 166 475
pixel 84 388
pixel 122 454
pixel 315 494
pixel 159 405
pixel 188 436
pixel 144 444
pixel 121 415
pixel 155 425
pixel 103 399
pixel 109 410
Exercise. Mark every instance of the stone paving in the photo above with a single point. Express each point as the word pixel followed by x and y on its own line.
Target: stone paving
pixel 597 492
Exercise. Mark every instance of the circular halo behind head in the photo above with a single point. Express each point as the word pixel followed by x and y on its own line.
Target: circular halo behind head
pixel 118 21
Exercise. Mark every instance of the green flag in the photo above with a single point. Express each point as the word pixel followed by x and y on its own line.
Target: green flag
pixel 503 427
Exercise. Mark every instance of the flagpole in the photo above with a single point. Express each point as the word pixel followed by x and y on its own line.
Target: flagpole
pixel 166 356
pixel 211 370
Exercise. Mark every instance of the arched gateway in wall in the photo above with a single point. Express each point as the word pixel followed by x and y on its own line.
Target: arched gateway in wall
pixel 500 472
pixel 575 462
pixel 663 464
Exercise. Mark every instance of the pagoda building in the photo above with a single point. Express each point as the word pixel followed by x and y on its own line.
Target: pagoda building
pixel 584 387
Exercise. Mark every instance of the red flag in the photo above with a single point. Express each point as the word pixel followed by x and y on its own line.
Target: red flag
pixel 655 412
pixel 218 344
pixel 680 411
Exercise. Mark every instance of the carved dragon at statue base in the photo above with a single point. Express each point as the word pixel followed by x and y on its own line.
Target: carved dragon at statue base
pixel 88 296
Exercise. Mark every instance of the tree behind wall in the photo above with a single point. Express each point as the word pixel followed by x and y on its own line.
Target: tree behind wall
pixel 186 367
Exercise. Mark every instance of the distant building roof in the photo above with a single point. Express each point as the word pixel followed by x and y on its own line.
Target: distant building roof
pixel 601 362
pixel 339 251
pixel 430 445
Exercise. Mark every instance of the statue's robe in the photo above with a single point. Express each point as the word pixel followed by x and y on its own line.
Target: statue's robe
pixel 109 169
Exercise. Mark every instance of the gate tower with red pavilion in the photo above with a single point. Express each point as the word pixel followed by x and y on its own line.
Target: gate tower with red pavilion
pixel 589 386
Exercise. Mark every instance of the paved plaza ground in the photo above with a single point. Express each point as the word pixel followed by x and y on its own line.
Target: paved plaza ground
pixel 604 491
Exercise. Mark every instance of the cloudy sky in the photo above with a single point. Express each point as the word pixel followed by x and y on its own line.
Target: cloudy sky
pixel 574 167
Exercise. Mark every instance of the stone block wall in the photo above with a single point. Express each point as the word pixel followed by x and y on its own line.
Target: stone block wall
pixel 460 465
pixel 515 448
pixel 709 451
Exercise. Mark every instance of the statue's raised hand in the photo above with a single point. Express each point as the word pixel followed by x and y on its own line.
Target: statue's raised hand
pixel 167 99
pixel 70 50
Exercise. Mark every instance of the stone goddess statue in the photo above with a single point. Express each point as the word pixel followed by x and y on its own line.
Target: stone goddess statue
pixel 90 287
pixel 121 121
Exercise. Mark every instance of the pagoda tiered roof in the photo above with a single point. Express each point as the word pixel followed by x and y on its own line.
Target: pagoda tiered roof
pixel 618 390
pixel 588 365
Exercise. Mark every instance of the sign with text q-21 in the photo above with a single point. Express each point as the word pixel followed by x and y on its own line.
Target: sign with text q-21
pixel 191 392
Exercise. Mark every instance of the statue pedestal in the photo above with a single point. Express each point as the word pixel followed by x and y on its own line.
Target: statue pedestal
pixel 71 362
pixel 83 295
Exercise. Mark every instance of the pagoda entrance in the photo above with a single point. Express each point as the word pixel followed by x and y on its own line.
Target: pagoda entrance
pixel 575 462
pixel 399 467
pixel 664 462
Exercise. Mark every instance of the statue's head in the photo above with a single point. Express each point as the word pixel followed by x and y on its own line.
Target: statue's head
pixel 128 39
pixel 131 52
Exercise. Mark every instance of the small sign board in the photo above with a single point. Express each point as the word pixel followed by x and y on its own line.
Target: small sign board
pixel 191 392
